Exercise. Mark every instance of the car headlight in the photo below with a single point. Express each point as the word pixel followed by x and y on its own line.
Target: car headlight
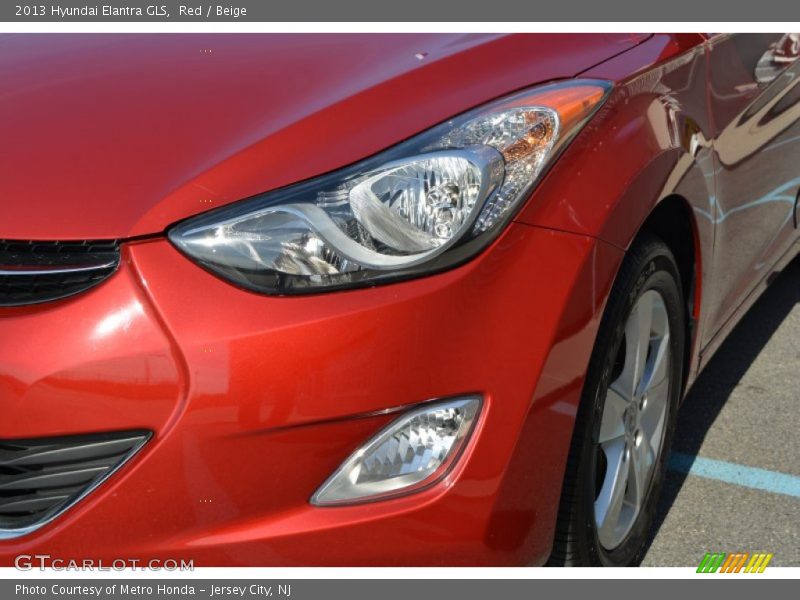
pixel 425 205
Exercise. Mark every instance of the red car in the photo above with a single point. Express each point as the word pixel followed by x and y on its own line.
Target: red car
pixel 361 300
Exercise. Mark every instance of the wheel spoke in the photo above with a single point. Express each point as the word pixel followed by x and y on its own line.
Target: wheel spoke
pixel 637 343
pixel 641 462
pixel 612 425
pixel 608 506
pixel 654 412
pixel 658 367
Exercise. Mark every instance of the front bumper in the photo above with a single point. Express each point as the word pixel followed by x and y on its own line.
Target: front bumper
pixel 255 400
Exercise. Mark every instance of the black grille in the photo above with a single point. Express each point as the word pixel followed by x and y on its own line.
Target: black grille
pixel 33 272
pixel 40 478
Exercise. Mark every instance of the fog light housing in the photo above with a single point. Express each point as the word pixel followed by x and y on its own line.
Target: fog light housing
pixel 412 452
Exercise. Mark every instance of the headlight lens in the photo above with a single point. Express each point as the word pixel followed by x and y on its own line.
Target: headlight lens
pixel 425 205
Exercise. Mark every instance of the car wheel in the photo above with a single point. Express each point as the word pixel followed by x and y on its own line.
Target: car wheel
pixel 625 421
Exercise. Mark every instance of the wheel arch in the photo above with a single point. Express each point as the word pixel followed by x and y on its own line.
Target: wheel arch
pixel 674 222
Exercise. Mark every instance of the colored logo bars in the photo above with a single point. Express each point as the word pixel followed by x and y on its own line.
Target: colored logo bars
pixel 734 563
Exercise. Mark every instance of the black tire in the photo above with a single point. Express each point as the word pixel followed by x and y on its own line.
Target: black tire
pixel 649 265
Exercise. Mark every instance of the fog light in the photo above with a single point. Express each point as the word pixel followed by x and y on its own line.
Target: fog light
pixel 413 451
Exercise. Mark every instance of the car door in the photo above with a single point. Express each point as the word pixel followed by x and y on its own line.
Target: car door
pixel 754 95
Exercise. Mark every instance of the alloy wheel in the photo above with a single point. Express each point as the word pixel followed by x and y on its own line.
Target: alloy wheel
pixel 633 421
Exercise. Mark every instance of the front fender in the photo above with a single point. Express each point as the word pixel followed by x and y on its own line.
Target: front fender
pixel 650 141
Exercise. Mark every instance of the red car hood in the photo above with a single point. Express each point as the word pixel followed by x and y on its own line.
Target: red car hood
pixel 117 136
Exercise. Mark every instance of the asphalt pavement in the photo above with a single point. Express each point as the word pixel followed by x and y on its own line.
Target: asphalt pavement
pixel 734 481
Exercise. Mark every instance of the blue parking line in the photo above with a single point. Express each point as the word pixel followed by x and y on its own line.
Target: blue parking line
pixel 752 477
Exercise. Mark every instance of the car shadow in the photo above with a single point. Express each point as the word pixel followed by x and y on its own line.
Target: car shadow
pixel 723 373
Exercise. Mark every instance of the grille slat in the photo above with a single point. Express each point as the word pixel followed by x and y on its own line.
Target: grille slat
pixel 54 453
pixel 43 480
pixel 40 478
pixel 31 504
pixel 32 271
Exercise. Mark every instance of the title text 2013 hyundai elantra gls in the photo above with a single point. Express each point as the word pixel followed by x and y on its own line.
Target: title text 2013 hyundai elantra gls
pixel 356 300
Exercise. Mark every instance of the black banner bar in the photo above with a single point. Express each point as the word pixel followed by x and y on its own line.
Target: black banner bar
pixel 386 589
pixel 449 11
